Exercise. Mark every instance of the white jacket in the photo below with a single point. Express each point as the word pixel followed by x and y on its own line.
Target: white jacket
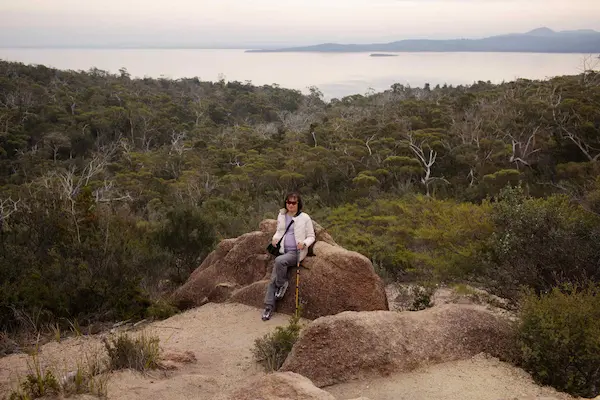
pixel 304 231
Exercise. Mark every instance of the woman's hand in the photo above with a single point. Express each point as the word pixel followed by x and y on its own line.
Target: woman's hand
pixel 274 242
pixel 300 246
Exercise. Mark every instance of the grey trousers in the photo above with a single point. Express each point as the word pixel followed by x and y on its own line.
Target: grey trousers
pixel 279 274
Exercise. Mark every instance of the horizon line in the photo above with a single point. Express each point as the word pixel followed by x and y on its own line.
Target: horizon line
pixel 258 45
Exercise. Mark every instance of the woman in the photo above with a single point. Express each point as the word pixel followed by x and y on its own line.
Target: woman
pixel 297 231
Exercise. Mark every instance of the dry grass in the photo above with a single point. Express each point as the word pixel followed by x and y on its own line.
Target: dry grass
pixel 91 374
pixel 89 377
pixel 141 353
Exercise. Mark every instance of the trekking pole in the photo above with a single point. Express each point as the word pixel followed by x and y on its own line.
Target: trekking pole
pixel 297 284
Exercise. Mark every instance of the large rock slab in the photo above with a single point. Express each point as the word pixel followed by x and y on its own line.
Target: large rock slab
pixel 332 280
pixel 362 345
pixel 283 386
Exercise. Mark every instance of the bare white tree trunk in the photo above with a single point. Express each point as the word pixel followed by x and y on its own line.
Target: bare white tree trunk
pixel 592 153
pixel 7 207
pixel 178 142
pixel 521 152
pixel 427 161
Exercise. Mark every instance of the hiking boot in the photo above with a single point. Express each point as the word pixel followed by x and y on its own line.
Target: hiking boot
pixel 267 313
pixel 281 290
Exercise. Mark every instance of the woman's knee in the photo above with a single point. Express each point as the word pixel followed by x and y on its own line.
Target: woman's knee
pixel 280 261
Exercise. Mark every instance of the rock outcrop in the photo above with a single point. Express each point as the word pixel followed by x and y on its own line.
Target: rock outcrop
pixel 283 386
pixel 332 279
pixel 354 345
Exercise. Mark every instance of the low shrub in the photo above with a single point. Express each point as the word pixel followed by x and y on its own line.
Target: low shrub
pixel 422 298
pixel 141 353
pixel 161 310
pixel 37 384
pixel 539 244
pixel 272 349
pixel 559 338
pixel 45 382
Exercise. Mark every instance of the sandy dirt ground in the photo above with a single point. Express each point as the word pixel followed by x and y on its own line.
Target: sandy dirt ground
pixel 221 337
pixel 479 378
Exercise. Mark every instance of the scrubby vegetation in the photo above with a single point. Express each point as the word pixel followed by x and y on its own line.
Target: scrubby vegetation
pixel 540 243
pixel 415 237
pixel 271 350
pixel 141 353
pixel 560 338
pixel 113 189
pixel 44 381
pixel 91 374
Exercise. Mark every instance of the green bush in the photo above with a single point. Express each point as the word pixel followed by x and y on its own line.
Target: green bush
pixel 414 237
pixel 272 349
pixel 189 237
pixel 36 385
pixel 161 310
pixel 539 243
pixel 88 265
pixel 141 353
pixel 422 299
pixel 559 337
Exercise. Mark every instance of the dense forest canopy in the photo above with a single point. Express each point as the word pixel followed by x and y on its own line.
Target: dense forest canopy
pixel 113 189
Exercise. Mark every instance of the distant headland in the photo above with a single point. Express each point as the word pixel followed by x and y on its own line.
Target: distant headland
pixel 541 40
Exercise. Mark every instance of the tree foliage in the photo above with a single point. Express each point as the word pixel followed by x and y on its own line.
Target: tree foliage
pixel 113 189
pixel 415 236
pixel 559 336
pixel 540 243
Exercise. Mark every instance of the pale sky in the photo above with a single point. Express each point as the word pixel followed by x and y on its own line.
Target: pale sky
pixel 247 23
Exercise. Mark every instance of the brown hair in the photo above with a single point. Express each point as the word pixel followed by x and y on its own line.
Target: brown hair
pixel 295 195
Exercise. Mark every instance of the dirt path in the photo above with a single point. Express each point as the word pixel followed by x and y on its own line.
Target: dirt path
pixel 480 378
pixel 221 337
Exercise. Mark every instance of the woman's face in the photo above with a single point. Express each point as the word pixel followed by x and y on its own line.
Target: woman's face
pixel 292 205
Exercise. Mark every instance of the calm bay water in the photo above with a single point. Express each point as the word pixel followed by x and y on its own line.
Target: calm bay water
pixel 335 74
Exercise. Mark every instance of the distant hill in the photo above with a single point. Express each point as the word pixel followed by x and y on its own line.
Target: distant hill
pixel 540 40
